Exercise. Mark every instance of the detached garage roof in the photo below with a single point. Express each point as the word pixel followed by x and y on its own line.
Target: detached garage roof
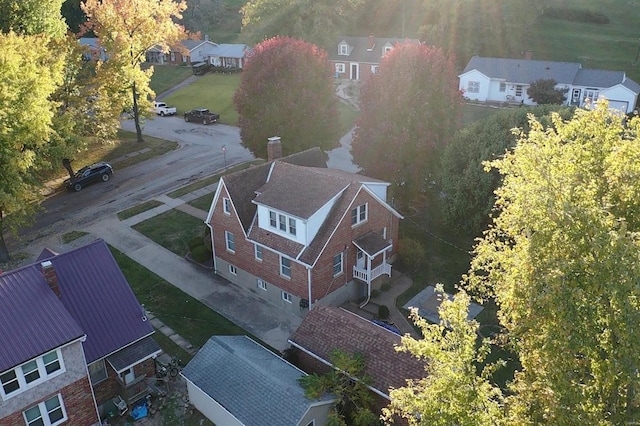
pixel 252 383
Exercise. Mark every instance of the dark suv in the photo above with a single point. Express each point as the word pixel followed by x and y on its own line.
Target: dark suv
pixel 89 174
pixel 201 115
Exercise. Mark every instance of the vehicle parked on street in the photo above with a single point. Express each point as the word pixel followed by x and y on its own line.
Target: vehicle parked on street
pixel 89 174
pixel 201 115
pixel 162 109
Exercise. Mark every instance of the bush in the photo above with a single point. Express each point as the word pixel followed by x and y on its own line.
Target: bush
pixel 201 254
pixel 578 15
pixel 385 286
pixel 383 312
pixel 411 253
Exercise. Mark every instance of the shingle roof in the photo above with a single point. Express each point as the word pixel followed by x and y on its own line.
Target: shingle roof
pixel 598 78
pixel 94 295
pixel 326 328
pixel 230 50
pixel 249 381
pixel 132 354
pixel 359 49
pixel 524 70
pixel 32 319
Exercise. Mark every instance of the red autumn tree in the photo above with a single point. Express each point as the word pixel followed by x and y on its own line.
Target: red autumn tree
pixel 409 110
pixel 287 90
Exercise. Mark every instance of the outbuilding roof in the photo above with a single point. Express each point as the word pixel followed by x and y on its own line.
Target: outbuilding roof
pixel 252 383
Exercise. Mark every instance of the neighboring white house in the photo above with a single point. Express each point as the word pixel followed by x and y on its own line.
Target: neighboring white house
pixel 507 80
pixel 235 381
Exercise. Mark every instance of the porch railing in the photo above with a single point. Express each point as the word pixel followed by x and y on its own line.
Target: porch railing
pixel 364 275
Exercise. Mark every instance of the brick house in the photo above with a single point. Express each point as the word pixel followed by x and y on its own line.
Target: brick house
pixel 74 337
pixel 327 328
pixel 356 58
pixel 201 51
pixel 297 233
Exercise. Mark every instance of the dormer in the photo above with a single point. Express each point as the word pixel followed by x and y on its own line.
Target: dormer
pixel 386 48
pixel 343 48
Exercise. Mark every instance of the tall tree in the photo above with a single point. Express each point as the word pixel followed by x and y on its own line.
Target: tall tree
pixel 452 392
pixel 544 91
pixel 410 109
pixel 128 29
pixel 29 75
pixel 30 17
pixel 562 260
pixel 286 90
pixel 467 188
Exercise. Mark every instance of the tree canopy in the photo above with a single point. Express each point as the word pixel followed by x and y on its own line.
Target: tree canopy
pixel 128 29
pixel 286 89
pixel 562 262
pixel 467 187
pixel 410 108
pixel 451 393
pixel 544 92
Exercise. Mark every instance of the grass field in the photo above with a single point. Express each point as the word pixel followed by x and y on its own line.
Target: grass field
pixel 172 230
pixel 213 91
pixel 166 76
pixel 612 46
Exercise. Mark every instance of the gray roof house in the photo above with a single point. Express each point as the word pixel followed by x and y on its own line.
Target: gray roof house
pixel 233 380
pixel 75 318
pixel 505 80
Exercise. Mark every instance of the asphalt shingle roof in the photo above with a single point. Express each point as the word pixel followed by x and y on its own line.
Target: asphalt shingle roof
pixel 326 328
pixel 249 381
pixel 359 49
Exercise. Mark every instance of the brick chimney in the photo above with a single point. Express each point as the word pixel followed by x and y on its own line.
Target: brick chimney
pixel 528 55
pixel 274 148
pixel 50 276
pixel 372 42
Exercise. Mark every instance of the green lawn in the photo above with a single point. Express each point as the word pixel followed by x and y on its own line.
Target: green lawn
pixel 140 208
pixel 202 203
pixel 213 91
pixel 166 76
pixel 172 230
pixel 612 46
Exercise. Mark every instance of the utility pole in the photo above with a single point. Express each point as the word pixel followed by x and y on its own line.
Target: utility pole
pixel 224 155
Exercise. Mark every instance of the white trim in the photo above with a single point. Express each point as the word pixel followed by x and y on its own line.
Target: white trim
pixel 43 376
pixel 42 408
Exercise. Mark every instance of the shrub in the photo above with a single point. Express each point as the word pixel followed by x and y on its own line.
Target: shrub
pixel 383 312
pixel 201 254
pixel 385 286
pixel 411 253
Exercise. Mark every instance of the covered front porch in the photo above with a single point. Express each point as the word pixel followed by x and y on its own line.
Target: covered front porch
pixel 133 365
pixel 371 260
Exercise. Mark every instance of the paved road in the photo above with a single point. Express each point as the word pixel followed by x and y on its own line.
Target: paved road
pixel 199 154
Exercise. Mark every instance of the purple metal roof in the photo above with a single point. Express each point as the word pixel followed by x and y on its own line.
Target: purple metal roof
pixel 32 319
pixel 96 300
pixel 98 296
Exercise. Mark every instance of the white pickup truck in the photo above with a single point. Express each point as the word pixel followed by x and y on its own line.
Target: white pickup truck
pixel 160 108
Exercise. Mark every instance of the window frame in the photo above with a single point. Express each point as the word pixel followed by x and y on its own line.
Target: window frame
pixel 285 270
pixel 340 68
pixel 20 378
pixel 343 49
pixel 262 284
pixel 226 205
pixel 273 220
pixel 503 87
pixel 338 261
pixel 92 375
pixel 230 241
pixel 292 226
pixel 233 269
pixel 357 214
pixel 287 297
pixel 473 86
pixel 257 252
pixel 282 222
pixel 42 408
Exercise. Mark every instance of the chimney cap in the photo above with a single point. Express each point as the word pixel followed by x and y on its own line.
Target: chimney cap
pixel 274 139
pixel 46 264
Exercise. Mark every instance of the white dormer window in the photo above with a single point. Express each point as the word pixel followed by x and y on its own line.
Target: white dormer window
pixel 272 219
pixel 283 223
pixel 387 49
pixel 227 205
pixel 343 49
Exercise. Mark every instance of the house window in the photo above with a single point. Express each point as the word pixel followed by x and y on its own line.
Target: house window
pixel 359 214
pixel 173 56
pixel 374 69
pixel 231 241
pixel 340 69
pixel 10 382
pixel 51 362
pixel 518 91
pixel 285 267
pixel 272 219
pixel 30 371
pixel 337 264
pixel 292 226
pixel 503 86
pixel 343 49
pixel 473 87
pixel 387 49
pixel 258 251
pixel 227 205
pixel 591 94
pixel 282 219
pixel 286 297
pixel 262 285
pixel 48 413
pixel 185 58
pixel 97 372
pixel 30 374
pixel 233 270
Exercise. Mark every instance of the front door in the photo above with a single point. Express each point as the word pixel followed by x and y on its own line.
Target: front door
pixel 360 259
pixel 128 376
pixel 355 72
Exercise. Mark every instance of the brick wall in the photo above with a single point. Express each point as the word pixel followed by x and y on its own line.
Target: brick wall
pixel 268 269
pixel 109 388
pixel 78 402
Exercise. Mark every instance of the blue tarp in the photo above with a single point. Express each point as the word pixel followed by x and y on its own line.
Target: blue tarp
pixel 139 411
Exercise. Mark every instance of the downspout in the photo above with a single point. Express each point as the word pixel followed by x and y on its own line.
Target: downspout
pixel 368 282
pixel 309 286
pixel 213 249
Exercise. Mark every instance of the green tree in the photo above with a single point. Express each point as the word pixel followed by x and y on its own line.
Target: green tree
pixel 128 29
pixel 544 92
pixel 562 262
pixel 286 89
pixel 410 109
pixel 452 392
pixel 26 86
pixel 467 187
pixel 347 382
pixel 30 17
